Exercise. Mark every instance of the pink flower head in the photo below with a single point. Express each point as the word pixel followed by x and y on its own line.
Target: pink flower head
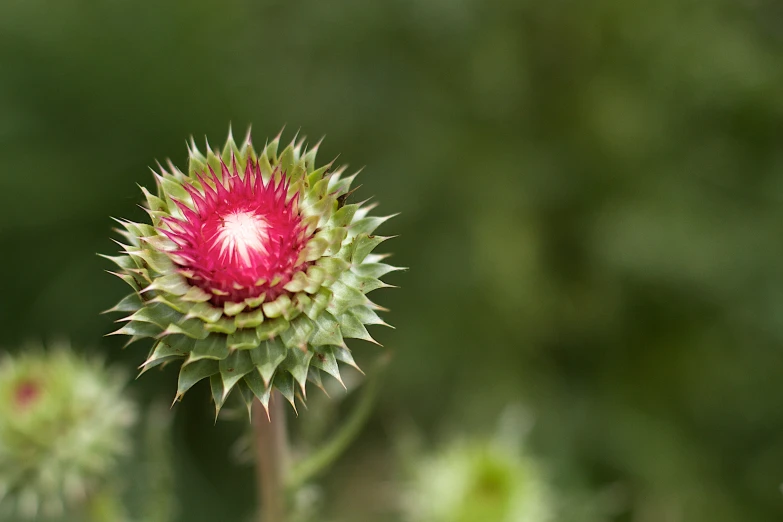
pixel 26 392
pixel 255 269
pixel 242 238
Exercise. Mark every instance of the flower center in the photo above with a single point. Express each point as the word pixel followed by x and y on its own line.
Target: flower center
pixel 241 238
pixel 25 393
pixel 241 235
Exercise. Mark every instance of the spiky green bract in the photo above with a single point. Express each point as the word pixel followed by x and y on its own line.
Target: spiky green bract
pixel 477 481
pixel 259 343
pixel 63 425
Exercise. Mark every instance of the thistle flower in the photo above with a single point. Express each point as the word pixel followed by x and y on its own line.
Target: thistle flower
pixel 477 481
pixel 253 271
pixel 62 427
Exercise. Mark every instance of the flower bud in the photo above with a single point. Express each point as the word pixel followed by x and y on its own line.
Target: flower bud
pixel 63 425
pixel 253 271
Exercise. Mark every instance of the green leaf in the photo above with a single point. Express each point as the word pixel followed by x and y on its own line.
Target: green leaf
pixel 197 163
pixel 343 216
pixel 129 303
pixel 287 160
pixel 128 279
pixel 317 304
pixel 138 229
pixel 368 225
pixel 271 329
pixel 158 362
pixel 250 319
pixel 233 368
pixel 265 166
pixel 223 325
pixel 363 245
pixel 270 151
pixel 367 315
pixel 232 309
pixel 160 244
pixel 196 295
pixel 154 203
pixel 319 189
pixel 229 150
pixel 193 328
pixel 162 352
pixel 172 302
pixel 297 283
pixel 139 329
pixel 376 270
pixel 298 334
pixel 363 284
pixel 212 347
pixel 334 266
pixel 156 313
pixel 255 302
pixel 243 340
pixel 316 276
pixel 218 396
pixel 315 248
pixel 124 262
pixel 172 188
pixel 297 363
pixel 277 308
pixel 247 395
pixel 314 376
pixel 309 157
pixel 341 185
pixel 327 331
pixel 260 389
pixel 157 261
pixel 353 328
pixel 333 237
pixel 343 354
pixel 326 361
pixel 171 346
pixel 206 312
pixel 284 382
pixel 246 153
pixel 192 373
pixel 267 357
pixel 344 297
pixel 173 284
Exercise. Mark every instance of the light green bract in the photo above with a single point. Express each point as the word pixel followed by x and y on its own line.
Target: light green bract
pixel 252 344
pixel 63 426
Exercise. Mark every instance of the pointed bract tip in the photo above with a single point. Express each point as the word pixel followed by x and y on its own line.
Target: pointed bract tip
pixel 177 398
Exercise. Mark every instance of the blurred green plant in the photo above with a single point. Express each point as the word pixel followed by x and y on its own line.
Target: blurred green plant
pixel 64 424
pixel 479 480
pixel 591 194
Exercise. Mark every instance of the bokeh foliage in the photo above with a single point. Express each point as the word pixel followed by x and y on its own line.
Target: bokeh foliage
pixel 591 197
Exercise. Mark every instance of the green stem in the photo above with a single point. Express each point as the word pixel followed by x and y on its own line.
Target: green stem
pixel 336 446
pixel 271 446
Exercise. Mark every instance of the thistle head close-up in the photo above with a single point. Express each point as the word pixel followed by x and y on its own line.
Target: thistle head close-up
pixel 63 425
pixel 253 270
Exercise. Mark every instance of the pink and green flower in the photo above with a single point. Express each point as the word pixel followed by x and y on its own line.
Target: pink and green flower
pixel 253 271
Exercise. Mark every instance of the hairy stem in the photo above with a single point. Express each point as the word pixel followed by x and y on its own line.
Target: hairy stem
pixel 271 447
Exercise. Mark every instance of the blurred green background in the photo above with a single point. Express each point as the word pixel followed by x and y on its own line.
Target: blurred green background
pixel 592 210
